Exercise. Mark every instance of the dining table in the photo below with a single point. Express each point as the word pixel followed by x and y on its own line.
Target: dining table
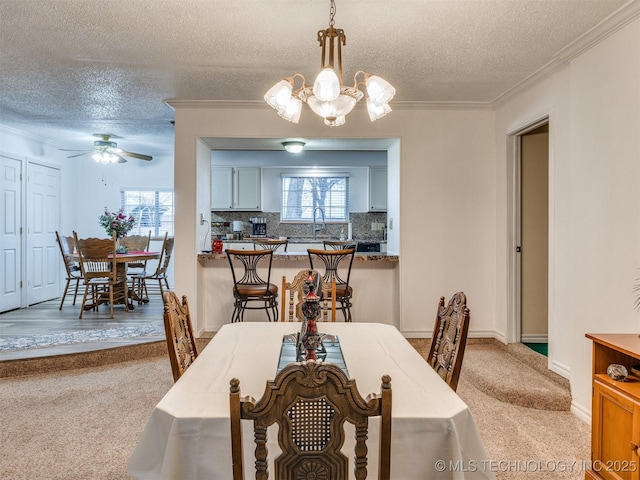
pixel 188 437
pixel 122 259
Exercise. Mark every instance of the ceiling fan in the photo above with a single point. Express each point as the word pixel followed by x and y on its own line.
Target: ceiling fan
pixel 105 151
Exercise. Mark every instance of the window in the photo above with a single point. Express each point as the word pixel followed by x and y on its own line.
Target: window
pixel 152 209
pixel 302 194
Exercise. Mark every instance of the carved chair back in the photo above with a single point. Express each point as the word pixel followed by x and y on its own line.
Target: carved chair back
pixel 293 293
pixel 181 343
pixel 136 243
pixel 99 270
pixel 310 402
pixel 449 338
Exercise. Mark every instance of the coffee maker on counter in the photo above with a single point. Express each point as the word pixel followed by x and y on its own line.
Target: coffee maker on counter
pixel 259 226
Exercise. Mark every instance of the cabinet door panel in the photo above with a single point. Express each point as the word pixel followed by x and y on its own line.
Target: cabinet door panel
pixel 221 188
pixel 613 418
pixel 247 184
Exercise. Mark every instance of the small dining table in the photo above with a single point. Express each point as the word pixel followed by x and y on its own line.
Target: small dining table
pixel 121 271
pixel 434 435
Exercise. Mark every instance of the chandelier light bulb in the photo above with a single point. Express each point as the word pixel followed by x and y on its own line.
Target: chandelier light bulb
pixel 377 110
pixel 379 90
pixel 327 86
pixel 329 97
pixel 292 110
pixel 279 95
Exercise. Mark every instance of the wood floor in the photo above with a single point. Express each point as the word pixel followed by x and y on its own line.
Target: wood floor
pixel 46 319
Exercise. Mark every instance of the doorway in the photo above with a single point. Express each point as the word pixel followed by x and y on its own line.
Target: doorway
pixel 42 219
pixel 533 237
pixel 11 233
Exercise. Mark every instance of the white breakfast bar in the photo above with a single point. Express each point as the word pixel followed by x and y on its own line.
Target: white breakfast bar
pixel 188 434
pixel 374 276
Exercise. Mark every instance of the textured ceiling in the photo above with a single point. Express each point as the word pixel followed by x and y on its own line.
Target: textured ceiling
pixel 71 68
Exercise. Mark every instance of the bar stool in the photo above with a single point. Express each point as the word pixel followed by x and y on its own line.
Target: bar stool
pixel 250 287
pixel 331 260
pixel 339 244
pixel 272 244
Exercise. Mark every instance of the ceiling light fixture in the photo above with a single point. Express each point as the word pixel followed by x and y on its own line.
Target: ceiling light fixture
pixel 328 97
pixel 105 152
pixel 293 147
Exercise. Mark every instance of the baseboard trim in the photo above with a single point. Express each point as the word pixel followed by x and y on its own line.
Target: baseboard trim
pixel 534 338
pixel 472 334
pixel 581 412
pixel 561 369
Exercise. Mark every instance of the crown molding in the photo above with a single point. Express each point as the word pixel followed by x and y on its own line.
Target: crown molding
pixel 397 105
pixel 614 22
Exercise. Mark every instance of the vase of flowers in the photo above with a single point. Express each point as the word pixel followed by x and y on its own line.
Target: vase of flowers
pixel 117 222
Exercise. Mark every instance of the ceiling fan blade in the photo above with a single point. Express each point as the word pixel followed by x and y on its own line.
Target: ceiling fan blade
pixel 72 150
pixel 121 160
pixel 80 154
pixel 136 155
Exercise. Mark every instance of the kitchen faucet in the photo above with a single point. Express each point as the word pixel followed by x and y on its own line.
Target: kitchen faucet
pixel 315 230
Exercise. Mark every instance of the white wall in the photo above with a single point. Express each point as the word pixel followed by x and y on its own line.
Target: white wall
pixel 446 198
pixel 594 108
pixel 87 187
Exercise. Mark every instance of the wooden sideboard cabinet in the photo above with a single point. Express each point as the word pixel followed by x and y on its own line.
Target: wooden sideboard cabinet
pixel 615 414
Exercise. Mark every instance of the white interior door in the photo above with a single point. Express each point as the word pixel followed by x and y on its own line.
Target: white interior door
pixel 10 236
pixel 43 219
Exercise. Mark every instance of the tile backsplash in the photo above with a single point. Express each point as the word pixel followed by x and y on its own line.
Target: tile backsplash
pixel 360 224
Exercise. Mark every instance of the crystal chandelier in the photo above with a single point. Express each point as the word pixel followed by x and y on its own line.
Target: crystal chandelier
pixel 329 97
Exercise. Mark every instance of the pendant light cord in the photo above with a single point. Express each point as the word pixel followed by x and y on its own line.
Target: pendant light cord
pixel 332 14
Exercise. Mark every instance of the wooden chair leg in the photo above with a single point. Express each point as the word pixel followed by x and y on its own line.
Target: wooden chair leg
pixel 75 293
pixel 65 293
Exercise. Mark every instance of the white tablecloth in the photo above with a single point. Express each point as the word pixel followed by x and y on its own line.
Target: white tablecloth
pixel 188 434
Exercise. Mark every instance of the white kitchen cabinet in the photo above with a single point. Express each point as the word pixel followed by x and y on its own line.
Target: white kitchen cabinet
pixel 377 189
pixel 235 188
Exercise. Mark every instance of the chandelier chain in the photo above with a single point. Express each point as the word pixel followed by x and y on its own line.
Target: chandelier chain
pixel 332 14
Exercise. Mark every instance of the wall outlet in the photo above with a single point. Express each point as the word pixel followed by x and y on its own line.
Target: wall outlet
pixel 377 226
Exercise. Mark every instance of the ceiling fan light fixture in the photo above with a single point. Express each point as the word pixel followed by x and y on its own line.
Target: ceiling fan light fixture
pixel 105 157
pixel 329 97
pixel 293 147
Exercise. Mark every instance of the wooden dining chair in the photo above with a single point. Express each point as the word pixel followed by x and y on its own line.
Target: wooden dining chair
pixel 136 243
pixel 292 293
pixel 331 260
pixel 449 338
pixel 181 343
pixel 270 244
pixel 139 281
pixel 99 272
pixel 310 403
pixel 72 267
pixel 250 290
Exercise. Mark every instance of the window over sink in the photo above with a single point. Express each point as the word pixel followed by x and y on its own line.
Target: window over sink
pixel 303 194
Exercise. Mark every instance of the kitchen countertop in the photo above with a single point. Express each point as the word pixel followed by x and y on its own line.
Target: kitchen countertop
pixel 297 256
pixel 305 240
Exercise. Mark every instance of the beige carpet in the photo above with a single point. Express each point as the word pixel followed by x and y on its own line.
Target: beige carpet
pixel 84 423
pixel 487 370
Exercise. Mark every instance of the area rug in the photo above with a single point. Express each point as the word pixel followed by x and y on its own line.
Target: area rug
pixel 78 336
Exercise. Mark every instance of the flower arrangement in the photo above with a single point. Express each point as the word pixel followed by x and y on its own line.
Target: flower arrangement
pixel 116 222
